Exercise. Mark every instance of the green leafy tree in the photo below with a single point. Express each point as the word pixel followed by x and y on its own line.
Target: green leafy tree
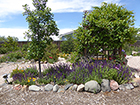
pixel 110 25
pixel 11 43
pixel 68 46
pixel 2 38
pixel 41 26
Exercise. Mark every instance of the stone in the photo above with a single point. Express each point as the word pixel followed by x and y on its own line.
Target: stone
pixel 0 89
pixel 1 66
pixel 34 88
pixel 136 75
pixel 105 85
pixel 48 87
pixel 134 52
pixel 17 87
pixel 74 87
pixel 10 80
pixel 68 86
pixel 129 86
pixel 122 87
pixel 136 82
pixel 61 90
pixel 61 59
pixel 114 85
pixel 92 86
pixel 55 88
pixel 24 88
pixel 80 88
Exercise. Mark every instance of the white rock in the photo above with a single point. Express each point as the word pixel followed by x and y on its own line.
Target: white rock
pixel 34 88
pixel 80 88
pixel 61 59
pixel 74 87
pixel 92 86
pixel 0 89
pixel 137 75
pixel 55 88
pixel 48 87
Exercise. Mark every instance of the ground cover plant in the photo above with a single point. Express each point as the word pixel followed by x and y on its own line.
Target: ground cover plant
pixel 76 73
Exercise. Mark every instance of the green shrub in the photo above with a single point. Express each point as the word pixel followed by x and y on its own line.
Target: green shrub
pixel 3 50
pixel 51 53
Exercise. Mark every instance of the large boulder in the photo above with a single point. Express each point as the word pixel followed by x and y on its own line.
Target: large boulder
pixel 105 85
pixel 92 86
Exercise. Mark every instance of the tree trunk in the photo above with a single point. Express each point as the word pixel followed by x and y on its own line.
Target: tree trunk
pixel 39 68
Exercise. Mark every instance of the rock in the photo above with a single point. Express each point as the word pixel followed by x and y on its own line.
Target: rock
pixel 114 85
pixel 55 88
pixel 61 59
pixel 61 90
pixel 80 88
pixel 92 86
pixel 136 82
pixel 0 89
pixel 10 80
pixel 134 52
pixel 105 85
pixel 48 87
pixel 68 86
pixel 24 88
pixel 17 87
pixel 129 86
pixel 34 88
pixel 41 62
pixel 126 86
pixel 74 87
pixel 1 66
pixel 136 75
pixel 122 87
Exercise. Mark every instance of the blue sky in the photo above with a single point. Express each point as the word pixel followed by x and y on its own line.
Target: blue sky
pixel 67 14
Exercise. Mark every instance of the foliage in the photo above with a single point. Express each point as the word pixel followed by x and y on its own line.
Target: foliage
pixel 3 50
pixel 74 57
pixel 109 25
pixel 3 38
pixel 41 27
pixel 51 52
pixel 63 55
pixel 129 48
pixel 11 43
pixel 12 56
pixel 68 45
pixel 25 77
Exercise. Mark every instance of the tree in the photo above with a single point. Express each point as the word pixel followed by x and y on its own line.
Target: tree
pixel 110 25
pixel 68 46
pixel 41 26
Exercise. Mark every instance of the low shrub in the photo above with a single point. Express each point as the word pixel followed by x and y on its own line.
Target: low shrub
pixel 78 73
pixel 24 77
pixel 3 50
pixel 12 56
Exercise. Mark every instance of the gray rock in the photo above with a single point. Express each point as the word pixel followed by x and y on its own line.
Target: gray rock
pixel 74 87
pixel 34 88
pixel 55 88
pixel 61 90
pixel 105 85
pixel 129 86
pixel 92 86
pixel 122 87
pixel 48 87
pixel 68 86
pixel 80 88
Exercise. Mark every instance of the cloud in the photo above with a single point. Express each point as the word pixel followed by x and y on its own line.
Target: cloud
pixel 14 32
pixel 18 32
pixel 15 6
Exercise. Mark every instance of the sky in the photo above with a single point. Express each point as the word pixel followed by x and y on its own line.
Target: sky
pixel 67 14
